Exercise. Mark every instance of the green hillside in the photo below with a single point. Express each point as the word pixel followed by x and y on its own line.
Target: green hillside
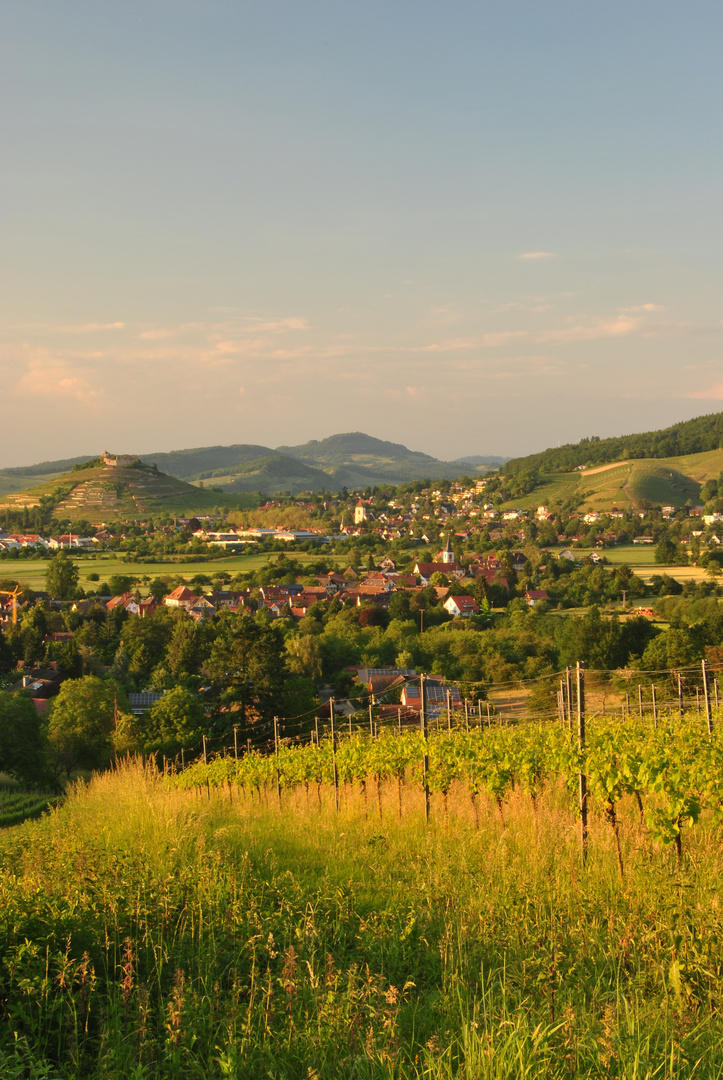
pixel 674 481
pixel 108 493
pixel 689 437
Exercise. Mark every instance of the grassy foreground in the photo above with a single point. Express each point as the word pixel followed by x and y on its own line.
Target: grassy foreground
pixel 147 932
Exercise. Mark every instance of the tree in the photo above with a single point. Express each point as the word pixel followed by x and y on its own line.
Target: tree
pixel 175 720
pixel 22 751
pixel 119 584
pixel 158 589
pixel 247 666
pixel 83 718
pixel 61 577
pixel 182 655
pixel 304 655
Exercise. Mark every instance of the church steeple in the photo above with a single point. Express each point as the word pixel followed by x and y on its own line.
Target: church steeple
pixel 447 556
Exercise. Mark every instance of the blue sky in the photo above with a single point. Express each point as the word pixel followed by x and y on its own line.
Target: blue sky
pixel 468 227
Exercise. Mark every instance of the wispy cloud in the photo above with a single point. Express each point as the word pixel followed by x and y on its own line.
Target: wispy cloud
pixel 50 376
pixel 537 255
pixel 712 393
pixel 89 328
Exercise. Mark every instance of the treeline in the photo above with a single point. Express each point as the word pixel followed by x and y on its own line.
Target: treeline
pixel 688 437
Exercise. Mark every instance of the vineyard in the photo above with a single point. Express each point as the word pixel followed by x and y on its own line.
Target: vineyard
pixel 18 806
pixel 670 765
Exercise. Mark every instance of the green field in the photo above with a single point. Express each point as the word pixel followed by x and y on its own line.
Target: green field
pixel 31 572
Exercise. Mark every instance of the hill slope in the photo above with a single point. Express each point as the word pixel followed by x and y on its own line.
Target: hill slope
pixel 697 436
pixel 674 481
pixel 108 493
pixel 353 460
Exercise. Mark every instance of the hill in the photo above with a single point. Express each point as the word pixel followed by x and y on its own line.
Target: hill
pixel 674 481
pixel 697 436
pixel 110 493
pixel 353 460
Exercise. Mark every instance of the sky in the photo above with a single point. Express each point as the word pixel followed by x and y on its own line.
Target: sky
pixel 470 227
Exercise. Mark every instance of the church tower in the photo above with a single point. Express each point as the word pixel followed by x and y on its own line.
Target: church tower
pixel 447 556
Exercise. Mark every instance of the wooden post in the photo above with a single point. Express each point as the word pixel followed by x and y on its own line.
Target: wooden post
pixel 205 760
pixel 466 713
pixel 183 759
pixel 568 684
pixel 697 699
pixel 489 715
pixel 581 747
pixel 640 700
pixel 350 731
pixel 333 755
pixel 425 757
pixel 715 692
pixel 708 717
pixel 316 725
pixel 627 703
pixel 655 707
pixel 449 711
pixel 399 720
pixel 276 759
pixel 479 712
pixel 371 721
pixel 235 741
pixel 680 695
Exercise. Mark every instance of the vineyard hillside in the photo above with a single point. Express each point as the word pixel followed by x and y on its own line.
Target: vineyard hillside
pixel 674 481
pixel 113 493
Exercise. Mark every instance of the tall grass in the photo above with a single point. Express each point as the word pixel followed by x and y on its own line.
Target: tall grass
pixel 146 932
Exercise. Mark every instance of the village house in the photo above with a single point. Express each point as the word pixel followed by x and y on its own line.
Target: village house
pixel 461 606
pixel 424 570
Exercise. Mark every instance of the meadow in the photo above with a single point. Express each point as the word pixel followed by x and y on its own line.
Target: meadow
pixel 31 572
pixel 147 931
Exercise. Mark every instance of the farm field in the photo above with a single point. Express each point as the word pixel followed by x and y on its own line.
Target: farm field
pixel 153 932
pixel 31 572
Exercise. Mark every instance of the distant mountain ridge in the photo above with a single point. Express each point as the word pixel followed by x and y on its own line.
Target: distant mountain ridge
pixel 351 460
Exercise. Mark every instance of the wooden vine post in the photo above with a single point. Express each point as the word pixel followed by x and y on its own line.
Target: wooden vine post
pixel 640 700
pixel 680 695
pixel 425 757
pixel 205 759
pixel 568 688
pixel 333 756
pixel 655 707
pixel 276 759
pixel 235 741
pixel 581 747
pixel 449 710
pixel 708 716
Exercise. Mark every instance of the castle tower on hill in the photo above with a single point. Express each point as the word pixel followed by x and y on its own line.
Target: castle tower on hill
pixel 119 461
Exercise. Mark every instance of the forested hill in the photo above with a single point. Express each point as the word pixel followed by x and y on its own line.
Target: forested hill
pixel 689 437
